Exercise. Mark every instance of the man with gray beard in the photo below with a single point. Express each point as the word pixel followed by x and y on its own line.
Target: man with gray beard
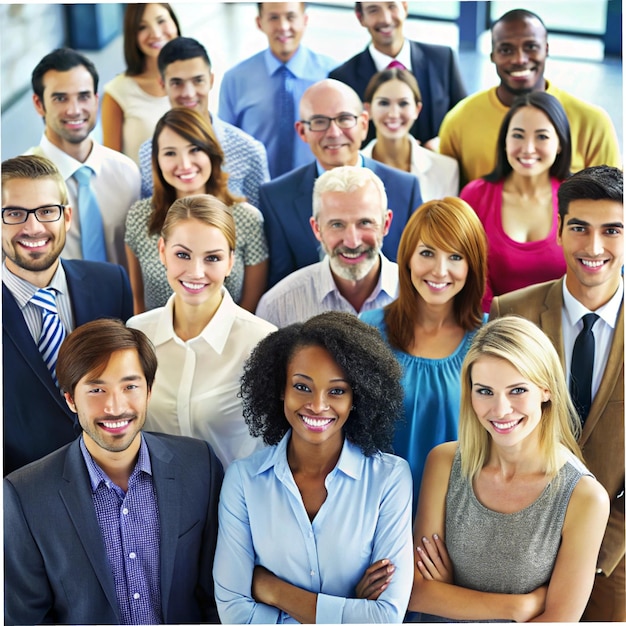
pixel 350 219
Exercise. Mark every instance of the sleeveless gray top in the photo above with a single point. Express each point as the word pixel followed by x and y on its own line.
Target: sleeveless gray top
pixel 506 552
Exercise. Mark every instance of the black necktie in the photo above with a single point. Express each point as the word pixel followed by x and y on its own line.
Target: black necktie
pixel 582 367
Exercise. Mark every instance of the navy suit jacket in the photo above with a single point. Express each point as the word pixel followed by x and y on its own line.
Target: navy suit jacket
pixel 56 566
pixel 37 419
pixel 287 206
pixel 437 73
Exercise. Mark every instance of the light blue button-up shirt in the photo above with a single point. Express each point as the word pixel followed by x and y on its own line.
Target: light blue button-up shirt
pixel 262 521
pixel 249 92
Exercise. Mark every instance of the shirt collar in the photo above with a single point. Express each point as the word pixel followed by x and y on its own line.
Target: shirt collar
pixel 350 460
pixel 609 312
pixel 67 164
pixel 297 64
pixel 387 280
pixel 381 60
pixel 215 333
pixel 23 291
pixel 97 475
pixel 320 170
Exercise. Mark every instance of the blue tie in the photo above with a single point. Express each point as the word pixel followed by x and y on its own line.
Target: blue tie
pixel 91 229
pixel 286 132
pixel 581 370
pixel 52 329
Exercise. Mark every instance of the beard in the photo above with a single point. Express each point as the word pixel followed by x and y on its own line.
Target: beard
pixel 357 271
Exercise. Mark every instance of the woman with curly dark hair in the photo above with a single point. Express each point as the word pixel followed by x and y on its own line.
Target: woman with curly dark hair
pixel 301 522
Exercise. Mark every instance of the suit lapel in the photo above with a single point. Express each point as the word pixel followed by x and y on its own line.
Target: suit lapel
pixel 18 334
pixel 365 69
pixel 76 495
pixel 614 369
pixel 169 499
pixel 303 202
pixel 83 293
pixel 551 320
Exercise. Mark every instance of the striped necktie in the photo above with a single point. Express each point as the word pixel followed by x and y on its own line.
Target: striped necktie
pixel 52 329
pixel 286 132
pixel 91 228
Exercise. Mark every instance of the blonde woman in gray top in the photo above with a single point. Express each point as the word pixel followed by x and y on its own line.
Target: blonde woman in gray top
pixel 509 520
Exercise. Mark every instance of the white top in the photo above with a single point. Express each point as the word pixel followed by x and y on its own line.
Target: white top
pixel 116 184
pixel 603 331
pixel 312 290
pixel 141 112
pixel 438 174
pixel 382 60
pixel 197 381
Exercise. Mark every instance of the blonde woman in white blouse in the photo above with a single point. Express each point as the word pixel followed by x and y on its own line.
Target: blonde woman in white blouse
pixel 202 338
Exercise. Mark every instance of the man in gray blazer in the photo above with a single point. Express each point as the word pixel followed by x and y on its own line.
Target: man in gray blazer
pixel 591 233
pixel 119 526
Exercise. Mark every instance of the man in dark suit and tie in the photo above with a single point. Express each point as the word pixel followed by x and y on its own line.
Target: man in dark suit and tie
pixel 119 526
pixel 435 67
pixel 36 217
pixel 583 314
pixel 333 123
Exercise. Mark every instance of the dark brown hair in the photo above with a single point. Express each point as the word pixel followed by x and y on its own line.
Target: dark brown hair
pixel 133 56
pixel 88 349
pixel 196 129
pixel 394 73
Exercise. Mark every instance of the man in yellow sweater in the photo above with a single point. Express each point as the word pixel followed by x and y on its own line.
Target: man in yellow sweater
pixel 469 131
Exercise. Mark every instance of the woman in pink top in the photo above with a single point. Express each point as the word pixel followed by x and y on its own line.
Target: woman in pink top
pixel 517 202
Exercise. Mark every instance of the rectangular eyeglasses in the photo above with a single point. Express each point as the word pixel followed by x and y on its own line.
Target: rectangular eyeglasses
pixel 46 213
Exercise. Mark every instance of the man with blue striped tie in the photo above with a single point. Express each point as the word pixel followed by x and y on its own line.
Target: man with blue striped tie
pixel 43 300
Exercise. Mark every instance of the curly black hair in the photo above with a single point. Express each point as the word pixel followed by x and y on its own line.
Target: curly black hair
pixel 369 366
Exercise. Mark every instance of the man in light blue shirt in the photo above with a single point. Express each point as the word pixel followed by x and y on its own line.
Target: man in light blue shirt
pixel 350 219
pixel 252 93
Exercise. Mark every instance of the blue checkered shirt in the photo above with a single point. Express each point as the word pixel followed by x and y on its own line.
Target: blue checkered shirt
pixel 129 523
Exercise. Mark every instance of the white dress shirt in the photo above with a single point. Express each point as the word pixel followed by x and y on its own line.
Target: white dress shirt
pixel 603 330
pixel 116 184
pixel 438 174
pixel 312 290
pixel 381 60
pixel 197 381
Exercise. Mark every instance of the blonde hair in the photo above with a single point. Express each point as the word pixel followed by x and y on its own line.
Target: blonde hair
pixel 204 208
pixel 33 167
pixel 526 347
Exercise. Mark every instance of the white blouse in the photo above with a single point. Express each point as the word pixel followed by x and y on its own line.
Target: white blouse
pixel 197 381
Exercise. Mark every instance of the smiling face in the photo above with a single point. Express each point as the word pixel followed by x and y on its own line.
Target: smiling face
pixel 532 143
pixel 393 109
pixel 318 398
pixel 32 249
pixel 69 106
pixel 197 259
pixel 384 22
pixel 519 52
pixel 437 275
pixel 351 227
pixel 188 84
pixel 184 166
pixel 112 405
pixel 334 146
pixel 155 29
pixel 592 237
pixel 283 23
pixel 507 405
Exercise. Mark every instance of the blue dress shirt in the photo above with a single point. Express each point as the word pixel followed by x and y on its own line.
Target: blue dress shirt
pixel 129 523
pixel 262 521
pixel 250 90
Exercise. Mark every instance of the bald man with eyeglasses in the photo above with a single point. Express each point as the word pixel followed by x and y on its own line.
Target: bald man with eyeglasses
pixel 43 300
pixel 333 123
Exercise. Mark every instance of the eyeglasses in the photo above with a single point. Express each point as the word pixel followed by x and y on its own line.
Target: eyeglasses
pixel 321 122
pixel 46 213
